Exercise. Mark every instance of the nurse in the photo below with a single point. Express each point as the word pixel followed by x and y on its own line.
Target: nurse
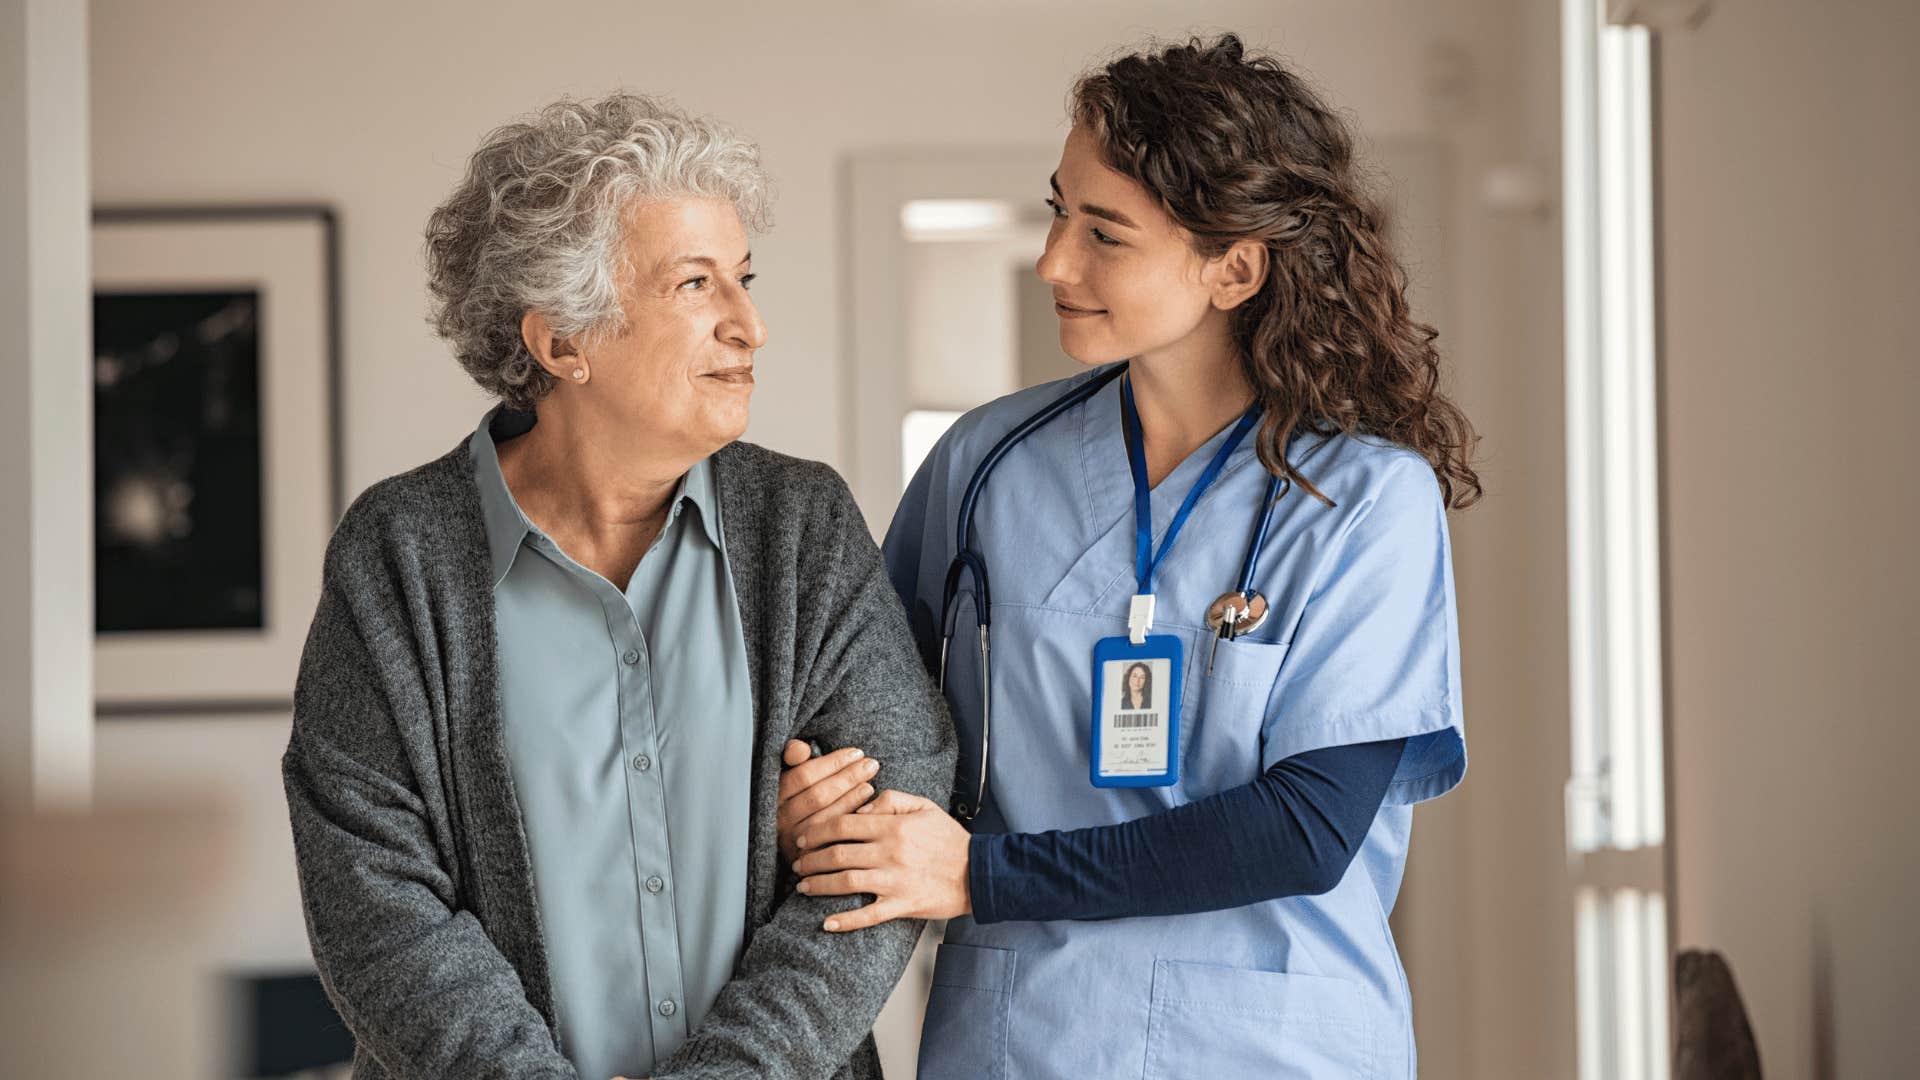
pixel 1224 663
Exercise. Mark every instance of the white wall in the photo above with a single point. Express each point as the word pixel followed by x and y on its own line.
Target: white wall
pixel 960 320
pixel 374 106
pixel 46 572
pixel 1790 163
pixel 233 761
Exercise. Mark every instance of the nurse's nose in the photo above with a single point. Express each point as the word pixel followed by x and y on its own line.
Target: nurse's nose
pixel 1055 265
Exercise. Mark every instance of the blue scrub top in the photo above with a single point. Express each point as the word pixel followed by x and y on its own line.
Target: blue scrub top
pixel 1361 645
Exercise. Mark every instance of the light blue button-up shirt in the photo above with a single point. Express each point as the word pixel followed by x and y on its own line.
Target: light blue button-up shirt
pixel 629 732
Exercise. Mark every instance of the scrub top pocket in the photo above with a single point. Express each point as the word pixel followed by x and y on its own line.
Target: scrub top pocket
pixel 1227 1023
pixel 1227 713
pixel 965 1035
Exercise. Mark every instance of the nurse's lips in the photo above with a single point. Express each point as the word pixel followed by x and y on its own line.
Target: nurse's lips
pixel 1069 311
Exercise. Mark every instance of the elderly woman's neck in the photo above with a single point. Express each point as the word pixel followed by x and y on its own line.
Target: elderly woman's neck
pixel 602 495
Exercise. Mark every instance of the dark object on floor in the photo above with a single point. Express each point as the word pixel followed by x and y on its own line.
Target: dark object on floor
pixel 1715 1040
pixel 286 1025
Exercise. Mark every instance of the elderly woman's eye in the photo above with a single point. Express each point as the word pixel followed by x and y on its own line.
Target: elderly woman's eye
pixel 692 284
pixel 1056 208
pixel 746 280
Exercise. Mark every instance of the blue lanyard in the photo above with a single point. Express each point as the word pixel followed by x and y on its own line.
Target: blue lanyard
pixel 1146 560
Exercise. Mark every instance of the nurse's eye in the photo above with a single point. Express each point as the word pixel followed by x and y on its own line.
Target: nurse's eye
pixel 1058 210
pixel 1102 238
pixel 694 284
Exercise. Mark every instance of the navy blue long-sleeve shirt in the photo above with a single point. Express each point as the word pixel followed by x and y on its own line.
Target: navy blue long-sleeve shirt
pixel 1291 832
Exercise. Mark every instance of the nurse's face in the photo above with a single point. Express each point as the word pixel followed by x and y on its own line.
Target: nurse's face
pixel 1126 281
pixel 1137 680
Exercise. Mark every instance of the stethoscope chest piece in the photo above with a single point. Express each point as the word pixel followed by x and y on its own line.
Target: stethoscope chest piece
pixel 1236 613
pixel 1233 614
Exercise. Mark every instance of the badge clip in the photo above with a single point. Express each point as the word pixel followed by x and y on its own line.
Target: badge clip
pixel 1140 618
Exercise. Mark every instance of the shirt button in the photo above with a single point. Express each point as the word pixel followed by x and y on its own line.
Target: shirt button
pixel 655 884
pixel 668 1008
pixel 630 657
pixel 641 763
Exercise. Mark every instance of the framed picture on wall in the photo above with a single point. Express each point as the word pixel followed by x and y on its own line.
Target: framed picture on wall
pixel 216 451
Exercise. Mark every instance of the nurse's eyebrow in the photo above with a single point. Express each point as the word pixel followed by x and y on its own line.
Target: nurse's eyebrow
pixel 1114 216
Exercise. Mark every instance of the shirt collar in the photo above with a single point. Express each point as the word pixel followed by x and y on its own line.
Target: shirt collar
pixel 698 488
pixel 508 527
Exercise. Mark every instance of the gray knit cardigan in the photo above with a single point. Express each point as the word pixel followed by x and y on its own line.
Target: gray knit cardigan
pixel 414 870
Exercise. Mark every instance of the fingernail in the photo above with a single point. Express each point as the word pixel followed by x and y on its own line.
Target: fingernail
pixel 872 767
pixel 802 842
pixel 858 753
pixel 833 924
pixel 805 885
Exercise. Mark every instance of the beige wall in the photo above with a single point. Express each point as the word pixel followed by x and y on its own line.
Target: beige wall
pixel 1790 167
pixel 373 107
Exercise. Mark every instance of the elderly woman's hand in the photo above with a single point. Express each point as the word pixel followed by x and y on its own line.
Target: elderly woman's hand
pixel 813 791
pixel 905 850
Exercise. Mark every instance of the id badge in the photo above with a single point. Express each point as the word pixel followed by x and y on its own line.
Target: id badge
pixel 1136 712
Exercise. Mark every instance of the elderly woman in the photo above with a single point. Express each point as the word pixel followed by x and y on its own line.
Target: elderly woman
pixel 535 763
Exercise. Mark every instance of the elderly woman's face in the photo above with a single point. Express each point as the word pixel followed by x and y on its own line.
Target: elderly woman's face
pixel 684 364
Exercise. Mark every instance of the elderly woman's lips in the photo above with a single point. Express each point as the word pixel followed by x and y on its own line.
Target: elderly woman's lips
pixel 737 376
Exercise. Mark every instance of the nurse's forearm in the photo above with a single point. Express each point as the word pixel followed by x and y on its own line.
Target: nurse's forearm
pixel 1292 832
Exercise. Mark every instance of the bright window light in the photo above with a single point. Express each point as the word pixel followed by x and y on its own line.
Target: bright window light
pixel 1616 808
pixel 918 432
pixel 1622 996
pixel 1617 796
pixel 955 219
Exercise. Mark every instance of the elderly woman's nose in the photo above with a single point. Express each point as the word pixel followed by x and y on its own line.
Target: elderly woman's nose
pixel 745 329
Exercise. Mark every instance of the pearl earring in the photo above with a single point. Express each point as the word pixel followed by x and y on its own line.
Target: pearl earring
pixel 580 374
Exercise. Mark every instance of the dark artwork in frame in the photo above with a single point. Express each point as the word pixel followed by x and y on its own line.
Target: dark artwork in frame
pixel 179 541
pixel 217 480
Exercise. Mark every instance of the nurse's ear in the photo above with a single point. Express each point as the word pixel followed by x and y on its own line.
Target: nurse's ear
pixel 1235 275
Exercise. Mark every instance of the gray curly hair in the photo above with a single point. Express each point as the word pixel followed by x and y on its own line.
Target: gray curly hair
pixel 536 225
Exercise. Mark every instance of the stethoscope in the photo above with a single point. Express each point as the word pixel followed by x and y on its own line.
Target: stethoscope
pixel 1240 610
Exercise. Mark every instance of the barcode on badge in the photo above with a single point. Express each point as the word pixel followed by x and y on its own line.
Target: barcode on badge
pixel 1122 721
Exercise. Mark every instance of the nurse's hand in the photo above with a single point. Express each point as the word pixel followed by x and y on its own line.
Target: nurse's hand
pixel 816 789
pixel 903 849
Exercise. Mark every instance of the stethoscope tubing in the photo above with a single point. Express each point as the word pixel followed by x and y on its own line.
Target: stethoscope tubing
pixel 1275 488
pixel 969 560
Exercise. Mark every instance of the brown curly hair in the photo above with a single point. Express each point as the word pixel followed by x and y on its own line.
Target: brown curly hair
pixel 1236 147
